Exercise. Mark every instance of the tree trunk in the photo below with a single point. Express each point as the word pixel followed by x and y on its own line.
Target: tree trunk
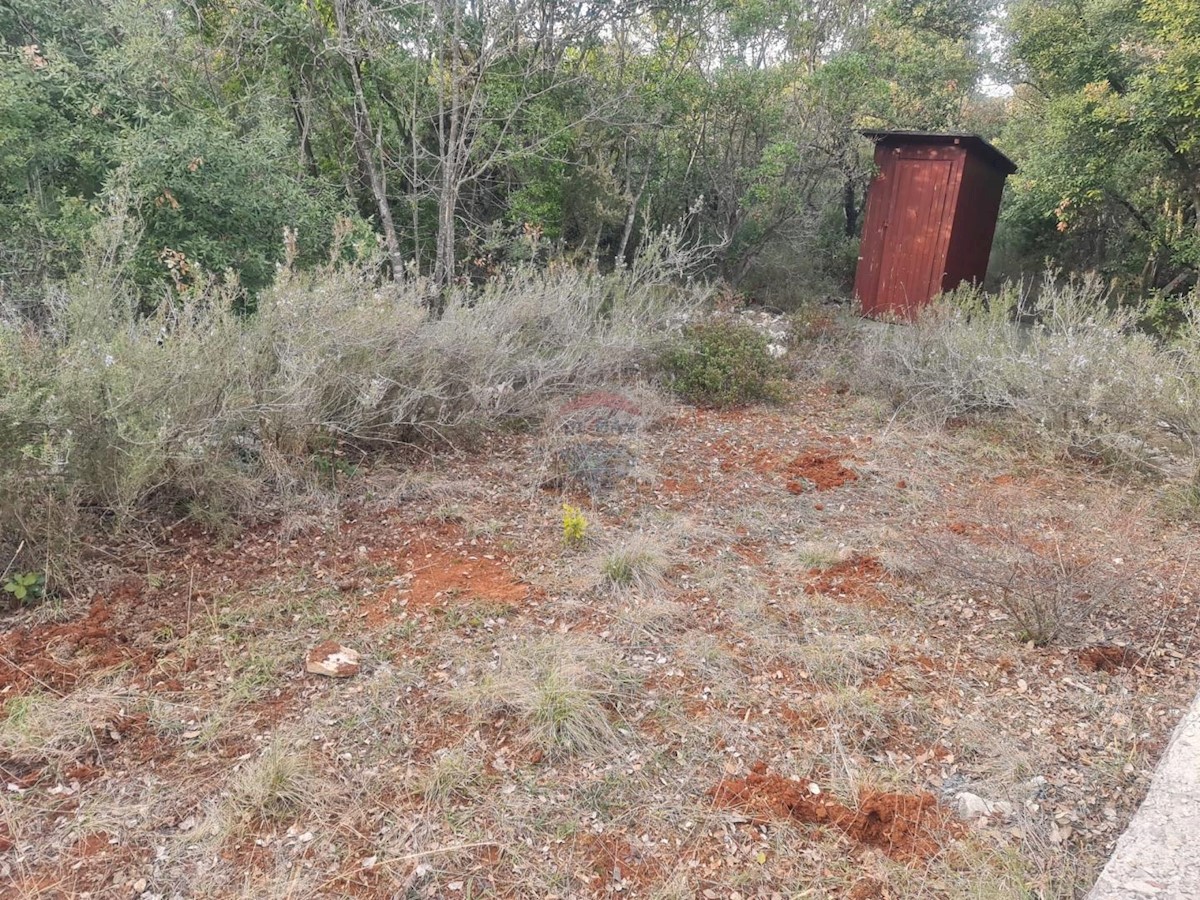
pixel 307 160
pixel 630 219
pixel 449 136
pixel 445 262
pixel 850 205
pixel 366 145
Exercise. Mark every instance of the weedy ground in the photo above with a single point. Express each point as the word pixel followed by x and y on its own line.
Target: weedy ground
pixel 768 671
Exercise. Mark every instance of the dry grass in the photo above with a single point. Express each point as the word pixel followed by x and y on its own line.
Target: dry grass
pixel 277 785
pixel 1047 585
pixel 45 728
pixel 456 774
pixel 203 409
pixel 1083 377
pixel 567 744
pixel 815 555
pixel 639 563
pixel 564 690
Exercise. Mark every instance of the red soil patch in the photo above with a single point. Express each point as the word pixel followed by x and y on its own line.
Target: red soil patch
pixel 734 458
pixel 615 860
pixel 440 575
pixel 856 578
pixel 1109 659
pixel 868 889
pixel 437 575
pixel 684 486
pixel 822 471
pixel 906 827
pixel 57 655
pixel 92 844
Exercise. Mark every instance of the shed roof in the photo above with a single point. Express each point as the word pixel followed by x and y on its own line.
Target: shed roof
pixel 966 139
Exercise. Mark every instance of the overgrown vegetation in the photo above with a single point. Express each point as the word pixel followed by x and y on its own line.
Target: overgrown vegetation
pixel 246 249
pixel 200 409
pixel 1103 123
pixel 1067 364
pixel 463 138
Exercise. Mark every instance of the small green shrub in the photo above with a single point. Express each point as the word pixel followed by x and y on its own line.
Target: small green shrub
pixel 25 588
pixel 723 364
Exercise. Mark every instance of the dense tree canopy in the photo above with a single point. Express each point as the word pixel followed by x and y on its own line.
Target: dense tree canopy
pixel 1106 122
pixel 461 135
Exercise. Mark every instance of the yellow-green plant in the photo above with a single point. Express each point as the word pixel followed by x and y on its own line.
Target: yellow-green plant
pixel 574 525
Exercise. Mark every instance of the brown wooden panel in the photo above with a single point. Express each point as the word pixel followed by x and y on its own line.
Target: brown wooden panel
pixel 930 219
pixel 915 232
pixel 866 276
pixel 974 223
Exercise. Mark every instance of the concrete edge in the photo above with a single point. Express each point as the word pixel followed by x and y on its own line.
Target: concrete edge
pixel 1158 856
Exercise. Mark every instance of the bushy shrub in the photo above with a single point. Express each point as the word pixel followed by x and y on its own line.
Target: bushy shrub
pixel 196 406
pixel 1069 365
pixel 1046 590
pixel 722 363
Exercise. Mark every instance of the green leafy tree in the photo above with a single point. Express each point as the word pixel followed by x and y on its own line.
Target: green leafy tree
pixel 1107 127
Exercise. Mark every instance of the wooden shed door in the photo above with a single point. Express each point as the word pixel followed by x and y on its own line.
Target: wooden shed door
pixel 915 234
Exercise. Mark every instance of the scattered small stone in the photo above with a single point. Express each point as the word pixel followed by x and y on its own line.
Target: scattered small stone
pixel 332 660
pixel 971 807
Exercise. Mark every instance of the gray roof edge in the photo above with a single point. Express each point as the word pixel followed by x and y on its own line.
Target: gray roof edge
pixel 996 156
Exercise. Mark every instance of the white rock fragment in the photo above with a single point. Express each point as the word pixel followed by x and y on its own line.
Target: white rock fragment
pixel 332 660
pixel 971 807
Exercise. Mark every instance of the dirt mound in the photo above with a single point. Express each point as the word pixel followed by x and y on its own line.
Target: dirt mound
pixel 817 471
pixel 856 578
pixel 906 827
pixel 1106 658
pixel 57 655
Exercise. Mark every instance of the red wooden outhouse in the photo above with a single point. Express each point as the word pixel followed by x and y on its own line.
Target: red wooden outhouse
pixel 931 215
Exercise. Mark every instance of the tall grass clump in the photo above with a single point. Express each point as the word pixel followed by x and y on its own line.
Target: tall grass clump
pixel 562 689
pixel 199 407
pixel 1069 364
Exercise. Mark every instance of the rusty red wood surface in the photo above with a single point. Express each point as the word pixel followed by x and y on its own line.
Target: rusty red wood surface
pixel 930 219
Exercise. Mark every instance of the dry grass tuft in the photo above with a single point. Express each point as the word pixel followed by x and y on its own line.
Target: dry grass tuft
pixel 817 555
pixel 562 689
pixel 640 564
pixel 39 728
pixel 276 786
pixel 455 774
pixel 836 660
